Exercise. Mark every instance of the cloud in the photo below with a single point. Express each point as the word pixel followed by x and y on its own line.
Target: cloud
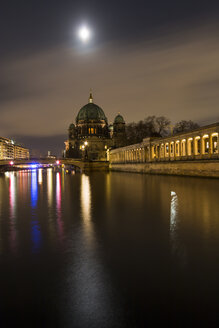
pixel 176 76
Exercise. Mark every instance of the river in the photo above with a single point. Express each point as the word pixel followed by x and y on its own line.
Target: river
pixel 108 250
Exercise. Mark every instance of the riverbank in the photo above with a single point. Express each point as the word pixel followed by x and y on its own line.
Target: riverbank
pixel 187 168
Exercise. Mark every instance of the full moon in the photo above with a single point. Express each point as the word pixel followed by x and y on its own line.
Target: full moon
pixel 84 33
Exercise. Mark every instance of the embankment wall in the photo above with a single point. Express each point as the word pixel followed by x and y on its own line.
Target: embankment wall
pixel 188 168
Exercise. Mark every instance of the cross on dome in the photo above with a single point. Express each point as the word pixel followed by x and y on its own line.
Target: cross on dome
pixel 91 97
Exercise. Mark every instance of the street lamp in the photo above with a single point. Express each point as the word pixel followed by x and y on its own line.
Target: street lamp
pixel 85 145
pixel 84 148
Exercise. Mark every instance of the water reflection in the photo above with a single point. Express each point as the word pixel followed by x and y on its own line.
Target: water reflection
pixel 135 244
pixel 40 176
pixel 50 186
pixel 178 249
pixel 58 206
pixel 35 228
pixel 12 216
pixel 85 198
pixel 89 298
pixel 34 188
pixel 173 212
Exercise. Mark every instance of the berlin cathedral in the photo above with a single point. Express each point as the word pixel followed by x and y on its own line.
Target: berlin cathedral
pixel 91 137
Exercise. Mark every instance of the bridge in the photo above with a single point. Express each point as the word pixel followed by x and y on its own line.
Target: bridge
pixel 83 165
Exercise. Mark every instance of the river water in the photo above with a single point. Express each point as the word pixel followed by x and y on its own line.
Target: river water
pixel 108 250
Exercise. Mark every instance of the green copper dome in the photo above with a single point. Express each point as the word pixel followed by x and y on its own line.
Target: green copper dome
pixel 91 112
pixel 71 126
pixel 119 119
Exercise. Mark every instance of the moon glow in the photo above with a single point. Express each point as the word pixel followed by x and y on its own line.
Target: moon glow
pixel 84 34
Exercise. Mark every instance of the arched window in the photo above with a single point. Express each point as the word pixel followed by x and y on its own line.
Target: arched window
pixel 214 143
pixel 205 144
pixel 183 147
pixel 167 149
pixel 177 148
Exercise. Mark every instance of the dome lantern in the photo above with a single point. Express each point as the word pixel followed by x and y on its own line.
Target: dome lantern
pixel 119 119
pixel 91 98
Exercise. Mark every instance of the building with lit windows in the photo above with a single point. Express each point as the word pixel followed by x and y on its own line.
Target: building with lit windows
pixel 10 150
pixel 91 136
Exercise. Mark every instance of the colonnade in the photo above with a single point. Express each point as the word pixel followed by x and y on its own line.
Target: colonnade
pixel 195 145
pixel 200 146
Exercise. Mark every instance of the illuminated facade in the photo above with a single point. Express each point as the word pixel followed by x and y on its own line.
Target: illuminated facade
pixel 200 144
pixel 10 150
pixel 90 137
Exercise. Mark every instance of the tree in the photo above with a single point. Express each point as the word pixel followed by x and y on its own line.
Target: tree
pixel 184 126
pixel 163 126
pixel 152 126
pixel 131 133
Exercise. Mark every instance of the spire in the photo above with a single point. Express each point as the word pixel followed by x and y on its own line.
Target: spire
pixel 91 97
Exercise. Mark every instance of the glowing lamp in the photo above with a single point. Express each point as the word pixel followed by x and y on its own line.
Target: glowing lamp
pixel 57 162
pixel 11 163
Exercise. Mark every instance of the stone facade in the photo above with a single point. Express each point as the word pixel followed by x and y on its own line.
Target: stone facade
pixel 90 138
pixel 199 146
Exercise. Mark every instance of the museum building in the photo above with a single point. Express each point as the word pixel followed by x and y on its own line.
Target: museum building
pixel 91 137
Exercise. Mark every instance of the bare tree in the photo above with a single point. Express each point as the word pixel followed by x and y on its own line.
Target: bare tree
pixel 152 126
pixel 163 125
pixel 184 126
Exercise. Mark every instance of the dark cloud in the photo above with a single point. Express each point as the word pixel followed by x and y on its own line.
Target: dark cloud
pixel 205 92
pixel 206 84
pixel 15 91
pixel 30 25
pixel 147 58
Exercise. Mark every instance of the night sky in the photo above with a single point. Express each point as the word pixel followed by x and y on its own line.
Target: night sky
pixel 144 58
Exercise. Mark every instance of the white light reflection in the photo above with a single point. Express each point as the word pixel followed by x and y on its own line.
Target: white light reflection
pixel 40 176
pixel 7 174
pixel 178 248
pixel 85 198
pixel 173 211
pixel 87 282
pixel 50 186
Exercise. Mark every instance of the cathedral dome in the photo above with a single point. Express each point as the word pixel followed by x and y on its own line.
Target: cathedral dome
pixel 119 119
pixel 71 126
pixel 91 112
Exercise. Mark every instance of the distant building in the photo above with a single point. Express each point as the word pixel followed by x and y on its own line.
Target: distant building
pixel 10 150
pixel 49 155
pixel 91 136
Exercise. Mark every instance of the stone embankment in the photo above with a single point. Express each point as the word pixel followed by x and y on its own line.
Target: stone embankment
pixel 187 168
